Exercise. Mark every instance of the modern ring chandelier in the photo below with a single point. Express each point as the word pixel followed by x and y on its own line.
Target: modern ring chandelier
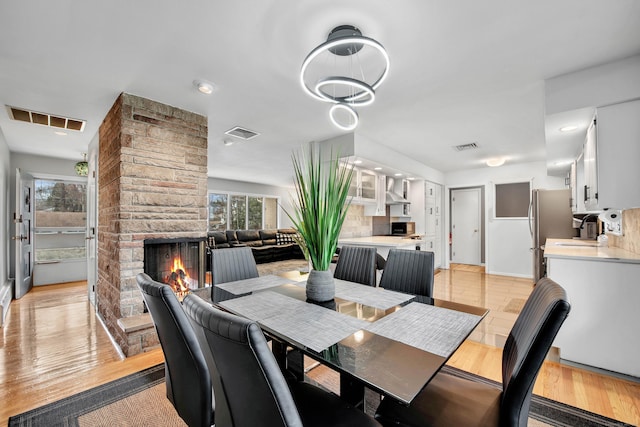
pixel 345 70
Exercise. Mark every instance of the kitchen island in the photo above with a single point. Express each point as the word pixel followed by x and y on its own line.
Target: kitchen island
pixel 604 292
pixel 382 243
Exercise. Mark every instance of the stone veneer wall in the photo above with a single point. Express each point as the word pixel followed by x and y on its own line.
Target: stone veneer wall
pixel 356 223
pixel 631 229
pixel 152 184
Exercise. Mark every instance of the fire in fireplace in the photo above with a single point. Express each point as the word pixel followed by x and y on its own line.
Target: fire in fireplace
pixel 179 263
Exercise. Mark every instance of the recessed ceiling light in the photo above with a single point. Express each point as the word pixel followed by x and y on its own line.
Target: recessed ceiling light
pixel 203 87
pixel 411 178
pixel 499 161
pixel 227 142
pixel 569 128
pixel 59 132
pixel 357 162
pixel 398 174
pixel 378 168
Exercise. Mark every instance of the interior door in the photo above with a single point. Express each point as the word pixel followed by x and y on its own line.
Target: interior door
pixel 23 218
pixel 465 226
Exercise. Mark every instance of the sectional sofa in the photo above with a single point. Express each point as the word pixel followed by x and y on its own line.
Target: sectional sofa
pixel 266 245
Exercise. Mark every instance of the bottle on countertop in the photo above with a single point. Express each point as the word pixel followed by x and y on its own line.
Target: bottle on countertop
pixel 603 240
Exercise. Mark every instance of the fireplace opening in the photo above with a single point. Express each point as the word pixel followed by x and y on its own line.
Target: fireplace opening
pixel 179 263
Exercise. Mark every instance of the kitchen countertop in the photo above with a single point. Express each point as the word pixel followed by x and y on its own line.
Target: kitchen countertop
pixel 390 241
pixel 587 250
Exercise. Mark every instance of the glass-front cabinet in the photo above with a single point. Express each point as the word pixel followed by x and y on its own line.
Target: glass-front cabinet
pixel 364 186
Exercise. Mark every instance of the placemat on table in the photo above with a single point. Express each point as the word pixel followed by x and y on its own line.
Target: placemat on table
pixel 434 329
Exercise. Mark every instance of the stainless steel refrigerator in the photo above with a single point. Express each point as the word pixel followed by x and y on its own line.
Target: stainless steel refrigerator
pixel 550 216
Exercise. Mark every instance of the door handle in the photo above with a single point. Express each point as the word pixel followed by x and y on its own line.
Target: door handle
pixel 89 238
pixel 21 237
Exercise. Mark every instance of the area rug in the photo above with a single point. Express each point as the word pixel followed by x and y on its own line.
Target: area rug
pixel 140 400
pixel 135 400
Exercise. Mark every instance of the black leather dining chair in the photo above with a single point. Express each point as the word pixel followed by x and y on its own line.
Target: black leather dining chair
pixel 409 271
pixel 452 401
pixel 229 265
pixel 357 264
pixel 255 390
pixel 186 372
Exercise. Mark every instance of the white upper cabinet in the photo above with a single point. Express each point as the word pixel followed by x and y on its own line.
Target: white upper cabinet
pixel 364 187
pixel 573 185
pixel 611 158
pixel 379 207
pixel 402 187
pixel 590 191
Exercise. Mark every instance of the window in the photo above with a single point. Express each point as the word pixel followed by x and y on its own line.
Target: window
pixel 60 220
pixel 242 212
pixel 217 212
pixel 255 213
pixel 238 212
pixel 512 200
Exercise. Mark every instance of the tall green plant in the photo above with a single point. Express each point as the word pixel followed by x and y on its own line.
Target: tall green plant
pixel 321 204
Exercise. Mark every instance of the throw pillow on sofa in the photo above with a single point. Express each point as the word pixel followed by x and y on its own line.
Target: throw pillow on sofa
pixel 284 239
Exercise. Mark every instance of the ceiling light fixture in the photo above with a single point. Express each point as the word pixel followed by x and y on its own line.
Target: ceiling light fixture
pixel 377 168
pixel 60 133
pixel 352 118
pixel 82 168
pixel 345 70
pixel 227 142
pixel 203 87
pixel 569 128
pixel 498 161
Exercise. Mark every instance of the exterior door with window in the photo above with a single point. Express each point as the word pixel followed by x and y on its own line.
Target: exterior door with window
pixel 23 218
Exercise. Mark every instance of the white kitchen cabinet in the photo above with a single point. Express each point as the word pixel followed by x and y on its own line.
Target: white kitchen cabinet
pixel 430 214
pixel 590 190
pixel 579 190
pixel 601 329
pixel 402 188
pixel 611 158
pixel 573 186
pixel 364 187
pixel 379 207
pixel 433 245
pixel 433 220
pixel 433 209
pixel 430 191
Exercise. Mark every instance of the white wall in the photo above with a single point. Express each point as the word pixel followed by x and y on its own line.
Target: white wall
pixel 6 287
pixel 227 185
pixel 507 241
pixel 5 210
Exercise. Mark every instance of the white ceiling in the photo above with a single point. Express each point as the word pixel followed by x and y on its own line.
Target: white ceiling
pixel 461 71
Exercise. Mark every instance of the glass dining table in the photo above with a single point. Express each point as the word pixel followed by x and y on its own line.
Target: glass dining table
pixel 390 342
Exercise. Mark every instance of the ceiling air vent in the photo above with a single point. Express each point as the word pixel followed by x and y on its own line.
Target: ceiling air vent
pixel 45 119
pixel 463 147
pixel 242 133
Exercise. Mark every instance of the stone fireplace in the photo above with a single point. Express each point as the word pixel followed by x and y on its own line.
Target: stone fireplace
pixel 179 263
pixel 152 184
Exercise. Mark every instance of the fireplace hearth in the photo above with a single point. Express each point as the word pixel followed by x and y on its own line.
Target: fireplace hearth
pixel 179 262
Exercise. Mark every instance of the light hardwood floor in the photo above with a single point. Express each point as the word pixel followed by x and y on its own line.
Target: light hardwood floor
pixel 52 346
